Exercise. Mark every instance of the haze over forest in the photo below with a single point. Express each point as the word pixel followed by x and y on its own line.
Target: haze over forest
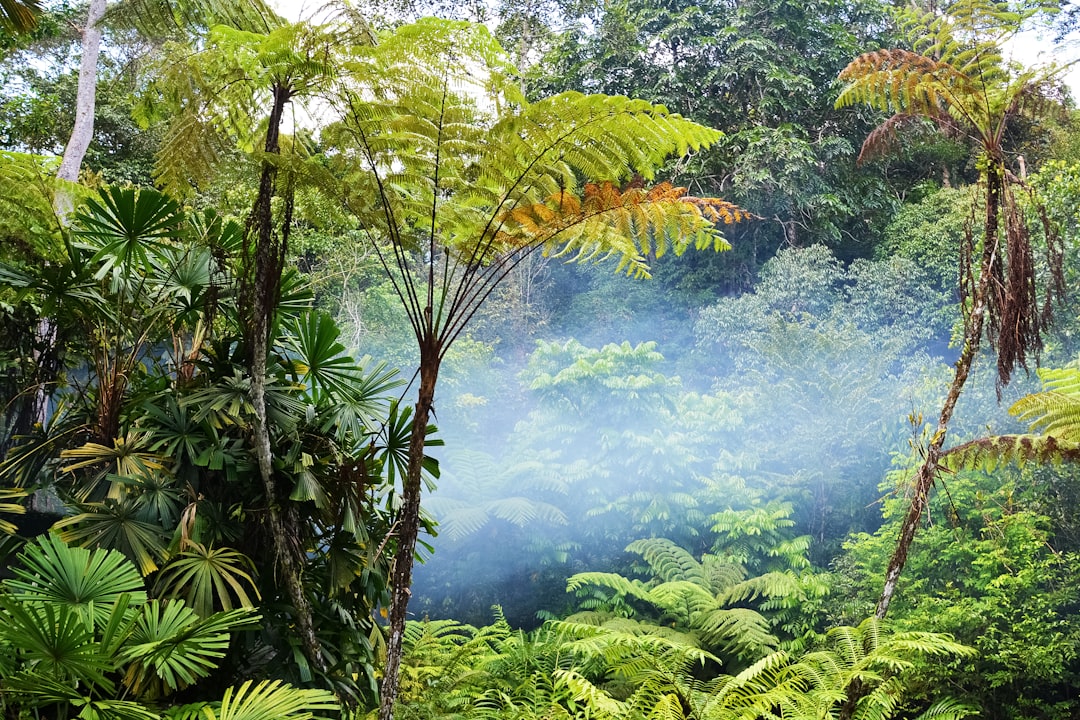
pixel 539 358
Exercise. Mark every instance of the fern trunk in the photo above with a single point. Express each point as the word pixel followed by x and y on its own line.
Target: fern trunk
pixel 973 331
pixel 407 530
pixel 261 284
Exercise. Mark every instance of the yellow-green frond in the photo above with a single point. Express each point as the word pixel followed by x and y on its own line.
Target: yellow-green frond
pixel 1053 416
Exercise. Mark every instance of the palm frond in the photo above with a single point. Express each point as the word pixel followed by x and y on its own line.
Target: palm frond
pixel 88 581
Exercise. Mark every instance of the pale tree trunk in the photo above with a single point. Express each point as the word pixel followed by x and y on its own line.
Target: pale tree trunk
pixel 407 529
pixel 63 201
pixel 83 132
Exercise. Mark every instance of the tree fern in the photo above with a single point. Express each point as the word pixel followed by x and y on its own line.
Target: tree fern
pixel 27 221
pixel 956 76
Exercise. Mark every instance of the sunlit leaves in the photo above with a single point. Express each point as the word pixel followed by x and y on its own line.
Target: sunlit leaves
pixel 634 224
pixel 265 700
pixel 10 505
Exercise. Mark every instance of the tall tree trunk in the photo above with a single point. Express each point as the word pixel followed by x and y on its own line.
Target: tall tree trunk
pixel 261 286
pixel 46 346
pixel 85 98
pixel 973 331
pixel 927 472
pixel 408 528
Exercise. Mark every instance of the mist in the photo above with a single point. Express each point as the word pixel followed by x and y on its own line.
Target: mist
pixel 586 410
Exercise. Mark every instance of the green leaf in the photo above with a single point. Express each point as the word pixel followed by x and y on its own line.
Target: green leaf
pixel 126 227
pixel 209 577
pixel 88 582
pixel 171 644
pixel 273 700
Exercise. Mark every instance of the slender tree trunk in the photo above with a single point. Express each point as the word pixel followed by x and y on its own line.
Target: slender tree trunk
pixel 408 529
pixel 45 337
pixel 85 98
pixel 927 472
pixel 260 296
pixel 63 202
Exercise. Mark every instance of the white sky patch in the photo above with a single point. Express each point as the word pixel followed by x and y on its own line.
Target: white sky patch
pixel 296 9
pixel 1037 48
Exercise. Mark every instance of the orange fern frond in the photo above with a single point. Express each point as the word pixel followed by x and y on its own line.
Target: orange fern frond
pixel 882 139
pixel 632 223
pixel 902 81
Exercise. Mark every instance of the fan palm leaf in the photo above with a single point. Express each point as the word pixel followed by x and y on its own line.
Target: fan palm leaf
pixel 89 582
pixel 209 577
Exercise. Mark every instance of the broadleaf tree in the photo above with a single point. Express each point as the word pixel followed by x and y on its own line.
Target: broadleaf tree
pixel 456 178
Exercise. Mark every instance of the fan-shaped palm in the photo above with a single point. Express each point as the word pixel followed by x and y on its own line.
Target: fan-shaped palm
pixel 75 621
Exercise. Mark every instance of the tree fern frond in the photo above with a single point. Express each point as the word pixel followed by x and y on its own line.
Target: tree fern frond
pixel 599 702
pixel 882 139
pixel 738 630
pixel 169 17
pixel 902 81
pixel 522 511
pixel 1056 410
pixel 611 581
pixel 682 598
pixel 27 221
pixel 948 709
pixel 772 585
pixel 1053 413
pixel 634 224
pixel 989 452
pixel 189 152
pixel 668 561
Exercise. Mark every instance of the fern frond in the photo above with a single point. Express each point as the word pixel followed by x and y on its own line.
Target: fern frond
pixel 1053 413
pixel 611 581
pixel 882 139
pixel 522 511
pixel 633 224
pixel 948 709
pixel 901 81
pixel 599 703
pixel 738 630
pixel 668 561
pixel 27 221
pixel 772 585
pixel 1056 410
pixel 990 452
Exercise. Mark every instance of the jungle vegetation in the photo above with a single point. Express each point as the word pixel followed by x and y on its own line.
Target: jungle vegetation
pixel 538 358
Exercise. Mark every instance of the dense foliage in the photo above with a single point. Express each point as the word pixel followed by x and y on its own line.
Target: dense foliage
pixel 666 487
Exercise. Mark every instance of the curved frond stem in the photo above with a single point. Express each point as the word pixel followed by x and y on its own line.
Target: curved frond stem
pixel 409 296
